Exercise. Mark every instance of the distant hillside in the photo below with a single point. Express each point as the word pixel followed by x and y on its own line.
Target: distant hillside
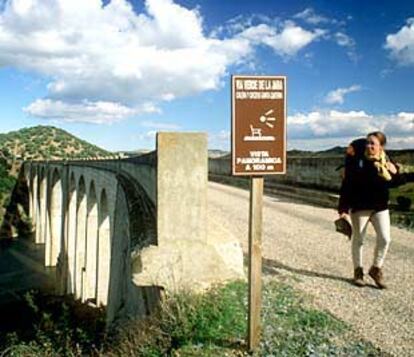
pixel 405 156
pixel 46 143
pixel 217 153
pixel 336 151
pixel 6 181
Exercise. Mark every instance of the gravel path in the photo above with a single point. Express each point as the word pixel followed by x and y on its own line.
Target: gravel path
pixel 299 240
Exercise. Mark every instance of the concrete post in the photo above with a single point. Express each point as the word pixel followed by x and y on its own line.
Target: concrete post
pixel 189 254
pixel 181 186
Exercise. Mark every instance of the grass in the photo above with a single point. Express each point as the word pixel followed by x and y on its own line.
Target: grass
pixel 399 217
pixel 188 324
pixel 405 190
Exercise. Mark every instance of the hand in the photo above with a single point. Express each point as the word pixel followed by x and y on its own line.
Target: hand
pixel 391 167
pixel 343 215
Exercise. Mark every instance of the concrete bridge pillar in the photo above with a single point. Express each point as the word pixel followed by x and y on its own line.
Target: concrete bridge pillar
pixel 91 245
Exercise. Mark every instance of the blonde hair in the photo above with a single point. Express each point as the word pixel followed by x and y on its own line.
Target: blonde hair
pixel 380 136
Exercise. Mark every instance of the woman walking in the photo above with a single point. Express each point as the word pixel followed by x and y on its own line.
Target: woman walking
pixel 364 195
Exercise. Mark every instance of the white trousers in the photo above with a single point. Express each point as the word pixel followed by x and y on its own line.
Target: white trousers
pixel 381 222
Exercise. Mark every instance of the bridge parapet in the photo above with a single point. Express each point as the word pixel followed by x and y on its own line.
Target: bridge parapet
pixel 117 231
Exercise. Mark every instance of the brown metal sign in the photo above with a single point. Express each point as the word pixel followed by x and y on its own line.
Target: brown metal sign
pixel 258 125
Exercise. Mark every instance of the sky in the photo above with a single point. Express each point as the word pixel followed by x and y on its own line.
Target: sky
pixel 114 72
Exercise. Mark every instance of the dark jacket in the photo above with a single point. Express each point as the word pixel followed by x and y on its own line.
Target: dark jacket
pixel 363 189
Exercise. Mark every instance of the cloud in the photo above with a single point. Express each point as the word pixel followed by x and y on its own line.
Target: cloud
pixel 99 112
pixel 323 129
pixel 93 53
pixel 97 55
pixel 344 40
pixel 401 44
pixel 337 96
pixel 401 124
pixel 322 124
pixel 146 139
pixel 336 33
pixel 239 23
pixel 287 42
pixel 311 17
pixel 401 143
pixel 339 124
pixel 219 140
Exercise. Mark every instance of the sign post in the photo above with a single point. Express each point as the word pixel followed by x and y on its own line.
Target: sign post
pixel 258 149
pixel 255 261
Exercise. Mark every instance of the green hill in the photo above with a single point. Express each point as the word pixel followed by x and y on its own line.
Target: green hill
pixel 38 143
pixel 46 143
pixel 6 180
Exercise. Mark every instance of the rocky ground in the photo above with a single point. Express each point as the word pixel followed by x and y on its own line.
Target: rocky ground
pixel 299 241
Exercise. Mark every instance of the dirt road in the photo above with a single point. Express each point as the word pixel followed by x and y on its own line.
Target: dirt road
pixel 299 240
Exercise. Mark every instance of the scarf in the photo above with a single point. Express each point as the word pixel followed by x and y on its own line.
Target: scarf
pixel 380 162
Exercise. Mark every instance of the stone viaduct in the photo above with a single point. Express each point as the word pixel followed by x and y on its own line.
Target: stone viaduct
pixel 117 232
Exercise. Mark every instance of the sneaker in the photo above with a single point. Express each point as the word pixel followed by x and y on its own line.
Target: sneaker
pixel 359 277
pixel 376 274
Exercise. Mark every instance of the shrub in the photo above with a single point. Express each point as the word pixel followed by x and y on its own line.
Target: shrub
pixel 187 319
pixel 404 203
pixel 190 324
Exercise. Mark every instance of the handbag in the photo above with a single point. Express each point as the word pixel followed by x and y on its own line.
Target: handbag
pixel 342 225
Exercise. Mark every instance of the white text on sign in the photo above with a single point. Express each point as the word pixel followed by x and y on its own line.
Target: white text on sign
pixel 259 161
pixel 259 84
pixel 259 89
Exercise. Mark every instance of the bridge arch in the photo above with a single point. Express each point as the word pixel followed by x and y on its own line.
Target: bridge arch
pixel 80 244
pixel 91 244
pixel 104 250
pixel 54 238
pixel 71 235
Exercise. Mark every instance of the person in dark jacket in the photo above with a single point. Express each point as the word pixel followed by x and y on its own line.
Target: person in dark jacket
pixel 364 195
